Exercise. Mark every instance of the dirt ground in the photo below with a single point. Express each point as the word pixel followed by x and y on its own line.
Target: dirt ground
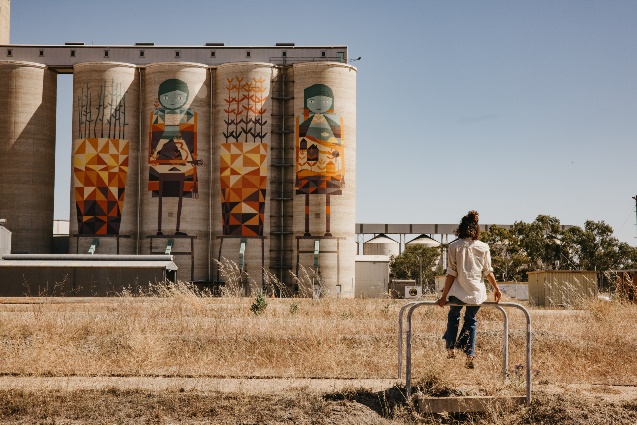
pixel 164 400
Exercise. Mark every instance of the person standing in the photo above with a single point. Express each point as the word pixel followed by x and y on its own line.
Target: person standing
pixel 468 263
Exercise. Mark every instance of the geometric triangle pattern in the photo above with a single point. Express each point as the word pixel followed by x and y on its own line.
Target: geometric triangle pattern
pixel 244 174
pixel 100 167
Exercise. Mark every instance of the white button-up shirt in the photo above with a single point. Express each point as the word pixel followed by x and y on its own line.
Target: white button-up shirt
pixel 469 262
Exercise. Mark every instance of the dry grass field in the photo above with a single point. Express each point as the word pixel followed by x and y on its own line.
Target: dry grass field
pixel 173 357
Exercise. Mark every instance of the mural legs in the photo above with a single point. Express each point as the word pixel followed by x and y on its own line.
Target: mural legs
pixel 307 215
pixel 179 179
pixel 327 215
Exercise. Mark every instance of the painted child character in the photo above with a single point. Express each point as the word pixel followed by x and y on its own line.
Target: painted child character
pixel 319 165
pixel 172 154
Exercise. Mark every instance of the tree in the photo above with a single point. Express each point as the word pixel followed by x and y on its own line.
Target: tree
pixel 539 241
pixel 543 245
pixel 509 260
pixel 595 247
pixel 408 264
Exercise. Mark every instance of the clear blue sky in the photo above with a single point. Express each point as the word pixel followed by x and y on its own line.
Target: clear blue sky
pixel 513 108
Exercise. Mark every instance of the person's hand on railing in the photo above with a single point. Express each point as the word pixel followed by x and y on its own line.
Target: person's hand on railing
pixel 497 294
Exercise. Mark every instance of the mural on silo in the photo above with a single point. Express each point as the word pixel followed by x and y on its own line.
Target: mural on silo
pixel 100 162
pixel 173 148
pixel 319 150
pixel 243 166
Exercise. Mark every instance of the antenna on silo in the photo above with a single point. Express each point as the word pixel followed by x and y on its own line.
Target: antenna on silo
pixel 635 198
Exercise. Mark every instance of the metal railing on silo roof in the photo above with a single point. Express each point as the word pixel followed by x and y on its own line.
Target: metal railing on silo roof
pixel 288 60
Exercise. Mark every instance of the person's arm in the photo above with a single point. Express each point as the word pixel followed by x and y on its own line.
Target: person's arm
pixel 452 272
pixel 443 299
pixel 496 291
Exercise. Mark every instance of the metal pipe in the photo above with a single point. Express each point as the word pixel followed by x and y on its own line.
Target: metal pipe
pixel 140 125
pixel 210 150
pixel 282 173
pixel 86 257
pixel 505 343
pixel 400 338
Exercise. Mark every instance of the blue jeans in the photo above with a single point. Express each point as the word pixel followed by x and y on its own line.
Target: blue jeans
pixel 467 340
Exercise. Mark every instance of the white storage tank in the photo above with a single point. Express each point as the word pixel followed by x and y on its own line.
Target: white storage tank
pixel 325 173
pixel 27 153
pixel 381 245
pixel 176 166
pixel 105 155
pixel 424 240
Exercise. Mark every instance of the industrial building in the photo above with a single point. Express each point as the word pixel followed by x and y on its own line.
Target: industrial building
pixel 205 153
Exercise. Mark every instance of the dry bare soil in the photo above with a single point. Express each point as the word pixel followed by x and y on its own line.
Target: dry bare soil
pixel 177 357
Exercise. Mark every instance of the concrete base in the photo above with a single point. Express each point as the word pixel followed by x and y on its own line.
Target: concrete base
pixel 465 404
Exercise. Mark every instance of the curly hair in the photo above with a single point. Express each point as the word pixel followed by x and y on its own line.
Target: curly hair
pixel 469 227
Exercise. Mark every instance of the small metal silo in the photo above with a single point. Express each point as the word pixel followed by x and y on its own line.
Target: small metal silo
pixel 381 245
pixel 428 242
pixel 424 240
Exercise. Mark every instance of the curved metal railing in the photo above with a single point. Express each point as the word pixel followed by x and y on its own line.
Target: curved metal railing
pixel 412 306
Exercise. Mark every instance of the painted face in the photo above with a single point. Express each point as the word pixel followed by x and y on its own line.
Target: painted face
pixel 319 104
pixel 173 100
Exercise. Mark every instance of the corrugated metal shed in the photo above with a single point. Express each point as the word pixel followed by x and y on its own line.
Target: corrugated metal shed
pixel 561 287
pixel 81 275
pixel 5 241
pixel 372 276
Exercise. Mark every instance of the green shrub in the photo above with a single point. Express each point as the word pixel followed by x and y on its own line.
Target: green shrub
pixel 259 305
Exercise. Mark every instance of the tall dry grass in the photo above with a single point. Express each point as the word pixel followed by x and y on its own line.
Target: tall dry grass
pixel 175 330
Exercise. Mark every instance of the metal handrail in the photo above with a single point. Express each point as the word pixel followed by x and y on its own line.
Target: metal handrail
pixel 505 348
pixel 415 304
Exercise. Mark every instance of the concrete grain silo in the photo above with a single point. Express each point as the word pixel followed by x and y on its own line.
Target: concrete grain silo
pixel 381 245
pixel 5 21
pixel 241 160
pixel 105 158
pixel 325 173
pixel 176 166
pixel 27 153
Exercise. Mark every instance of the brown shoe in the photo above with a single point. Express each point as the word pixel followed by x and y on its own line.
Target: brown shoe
pixel 451 354
pixel 469 363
